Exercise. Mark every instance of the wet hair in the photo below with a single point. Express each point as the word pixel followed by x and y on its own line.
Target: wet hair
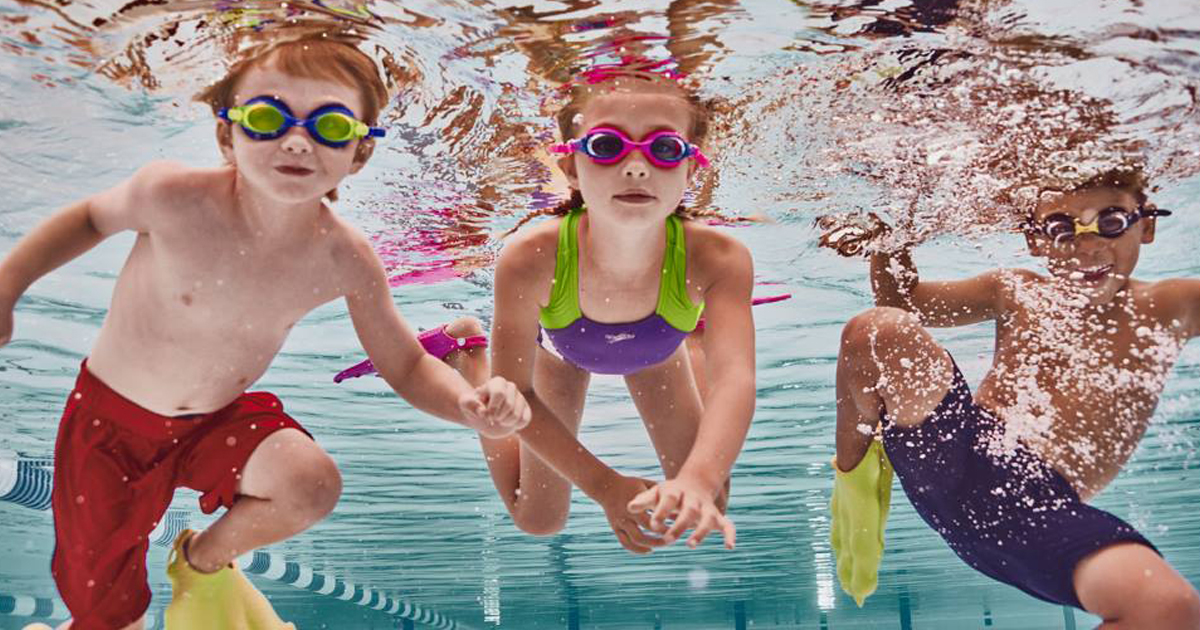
pixel 699 115
pixel 317 58
pixel 1129 180
pixel 311 57
pixel 1126 180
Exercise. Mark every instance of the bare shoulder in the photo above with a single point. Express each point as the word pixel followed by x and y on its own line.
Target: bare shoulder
pixel 172 182
pixel 715 253
pixel 532 251
pixel 1174 301
pixel 1009 283
pixel 351 255
pixel 158 195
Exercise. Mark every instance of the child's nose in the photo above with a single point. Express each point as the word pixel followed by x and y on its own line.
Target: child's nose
pixel 296 140
pixel 635 166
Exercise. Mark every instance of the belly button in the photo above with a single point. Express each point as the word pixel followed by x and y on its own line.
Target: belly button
pixel 186 298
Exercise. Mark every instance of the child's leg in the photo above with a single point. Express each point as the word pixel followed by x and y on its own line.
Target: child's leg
pixel 667 399
pixel 288 484
pixel 1130 586
pixel 695 349
pixel 670 401
pixel 887 363
pixel 536 496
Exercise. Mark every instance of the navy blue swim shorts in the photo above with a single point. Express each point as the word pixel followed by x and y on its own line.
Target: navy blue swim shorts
pixel 1006 513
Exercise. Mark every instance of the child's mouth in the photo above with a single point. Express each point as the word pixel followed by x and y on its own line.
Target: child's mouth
pixel 1091 274
pixel 634 197
pixel 295 171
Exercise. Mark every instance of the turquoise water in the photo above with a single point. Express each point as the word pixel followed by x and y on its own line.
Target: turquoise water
pixel 419 521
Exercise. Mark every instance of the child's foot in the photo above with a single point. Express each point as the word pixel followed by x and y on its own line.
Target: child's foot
pixel 224 599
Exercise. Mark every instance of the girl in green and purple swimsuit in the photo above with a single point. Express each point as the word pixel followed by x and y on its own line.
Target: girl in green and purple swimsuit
pixel 614 286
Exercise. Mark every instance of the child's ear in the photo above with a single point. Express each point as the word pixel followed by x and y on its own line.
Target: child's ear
pixel 1037 245
pixel 567 164
pixel 1148 230
pixel 362 153
pixel 225 140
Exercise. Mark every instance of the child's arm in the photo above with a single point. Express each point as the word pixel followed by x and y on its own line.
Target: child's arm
pixel 495 409
pixel 894 277
pixel 74 230
pixel 895 282
pixel 728 406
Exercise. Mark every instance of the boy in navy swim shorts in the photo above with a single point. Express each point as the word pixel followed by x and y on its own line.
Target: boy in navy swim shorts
pixel 226 261
pixel 1082 355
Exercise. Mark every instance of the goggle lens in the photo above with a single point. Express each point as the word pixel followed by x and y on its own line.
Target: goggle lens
pixel 669 148
pixel 335 127
pixel 604 145
pixel 264 118
pixel 1112 222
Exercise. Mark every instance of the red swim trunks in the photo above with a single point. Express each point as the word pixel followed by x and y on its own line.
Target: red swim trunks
pixel 116 468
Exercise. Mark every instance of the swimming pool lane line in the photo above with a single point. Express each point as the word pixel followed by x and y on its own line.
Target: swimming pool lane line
pixel 27 481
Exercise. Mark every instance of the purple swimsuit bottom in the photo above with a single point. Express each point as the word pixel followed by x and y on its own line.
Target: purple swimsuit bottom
pixel 1011 516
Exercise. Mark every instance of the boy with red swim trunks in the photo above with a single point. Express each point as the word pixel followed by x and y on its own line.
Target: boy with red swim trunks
pixel 226 261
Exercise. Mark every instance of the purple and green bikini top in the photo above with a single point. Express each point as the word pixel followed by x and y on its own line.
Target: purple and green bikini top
pixel 623 348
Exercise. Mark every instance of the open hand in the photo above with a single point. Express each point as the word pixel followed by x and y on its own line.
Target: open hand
pixel 690 505
pixel 852 234
pixel 632 529
pixel 495 409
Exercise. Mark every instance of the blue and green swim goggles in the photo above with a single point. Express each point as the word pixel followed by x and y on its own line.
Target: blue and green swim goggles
pixel 267 118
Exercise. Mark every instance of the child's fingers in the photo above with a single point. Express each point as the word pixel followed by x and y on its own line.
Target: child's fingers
pixel 689 513
pixel 668 505
pixel 635 540
pixel 522 414
pixel 500 395
pixel 728 531
pixel 707 523
pixel 645 500
pixel 473 407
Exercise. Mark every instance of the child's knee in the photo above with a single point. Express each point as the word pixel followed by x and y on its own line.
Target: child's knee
pixel 878 324
pixel 1175 604
pixel 317 485
pixel 464 327
pixel 545 519
pixel 541 525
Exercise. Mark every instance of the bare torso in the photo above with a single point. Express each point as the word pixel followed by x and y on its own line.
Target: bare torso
pixel 203 303
pixel 1079 385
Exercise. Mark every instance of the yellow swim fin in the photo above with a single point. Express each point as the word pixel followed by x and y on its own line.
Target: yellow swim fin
pixel 225 599
pixel 861 499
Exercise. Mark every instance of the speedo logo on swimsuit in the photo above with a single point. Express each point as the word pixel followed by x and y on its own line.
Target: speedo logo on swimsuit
pixel 619 337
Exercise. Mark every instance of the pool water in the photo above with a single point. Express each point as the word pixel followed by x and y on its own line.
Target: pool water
pixel 420 538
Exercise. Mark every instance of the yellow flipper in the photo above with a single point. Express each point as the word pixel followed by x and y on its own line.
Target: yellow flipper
pixel 861 500
pixel 225 599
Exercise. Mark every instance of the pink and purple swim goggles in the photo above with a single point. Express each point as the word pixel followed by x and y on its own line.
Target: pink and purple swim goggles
pixel 606 145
